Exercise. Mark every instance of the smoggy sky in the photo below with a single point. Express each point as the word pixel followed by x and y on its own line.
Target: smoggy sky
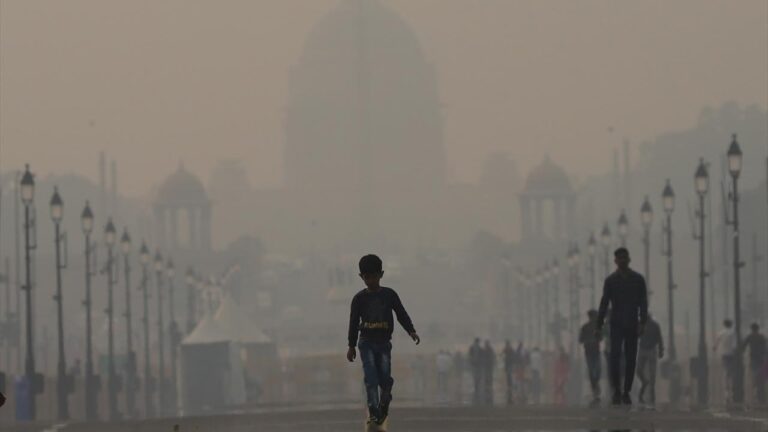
pixel 155 82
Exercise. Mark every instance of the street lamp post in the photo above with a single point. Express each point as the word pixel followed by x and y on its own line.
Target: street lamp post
pixel 174 334
pixel 539 292
pixel 571 267
pixel 605 239
pixel 702 188
pixel 623 226
pixel 668 200
pixel 62 383
pixel 130 370
pixel 191 303
pixel 27 198
pixel 159 267
pixel 86 219
pixel 555 274
pixel 110 235
pixel 734 167
pixel 521 307
pixel 144 258
pixel 646 218
pixel 574 260
pixel 591 250
pixel 549 316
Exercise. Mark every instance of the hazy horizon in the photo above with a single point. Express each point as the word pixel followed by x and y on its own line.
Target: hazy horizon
pixel 529 78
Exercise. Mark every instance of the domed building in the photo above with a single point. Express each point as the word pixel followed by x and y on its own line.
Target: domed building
pixel 364 143
pixel 547 203
pixel 182 212
pixel 363 109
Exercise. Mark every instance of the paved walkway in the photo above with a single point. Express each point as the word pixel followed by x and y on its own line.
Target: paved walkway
pixel 540 418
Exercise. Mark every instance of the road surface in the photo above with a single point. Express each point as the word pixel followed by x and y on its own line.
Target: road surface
pixel 454 419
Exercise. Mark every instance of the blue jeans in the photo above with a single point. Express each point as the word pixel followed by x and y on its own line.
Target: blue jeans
pixel 376 357
pixel 593 368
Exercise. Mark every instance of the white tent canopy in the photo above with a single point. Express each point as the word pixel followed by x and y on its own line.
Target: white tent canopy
pixel 211 372
pixel 206 331
pixel 236 324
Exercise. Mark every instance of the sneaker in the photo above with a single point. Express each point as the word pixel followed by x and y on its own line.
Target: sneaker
pixel 384 407
pixel 625 399
pixel 616 399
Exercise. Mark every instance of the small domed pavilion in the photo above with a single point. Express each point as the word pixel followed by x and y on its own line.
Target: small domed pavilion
pixel 183 212
pixel 547 203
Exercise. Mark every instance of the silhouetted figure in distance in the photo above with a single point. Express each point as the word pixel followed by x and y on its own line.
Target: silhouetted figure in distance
pixel 590 339
pixel 651 349
pixel 757 360
pixel 475 356
pixel 489 364
pixel 625 292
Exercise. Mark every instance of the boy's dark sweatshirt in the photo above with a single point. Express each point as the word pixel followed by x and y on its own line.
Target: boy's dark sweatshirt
pixel 371 315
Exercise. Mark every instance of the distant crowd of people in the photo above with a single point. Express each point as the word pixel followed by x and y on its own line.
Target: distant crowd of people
pixel 523 372
pixel 726 348
pixel 631 345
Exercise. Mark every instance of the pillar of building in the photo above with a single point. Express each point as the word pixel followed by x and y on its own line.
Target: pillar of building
pixel 206 227
pixel 174 226
pixel 570 222
pixel 525 217
pixel 193 229
pixel 557 218
pixel 537 221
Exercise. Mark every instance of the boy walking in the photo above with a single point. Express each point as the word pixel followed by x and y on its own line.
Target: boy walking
pixel 371 318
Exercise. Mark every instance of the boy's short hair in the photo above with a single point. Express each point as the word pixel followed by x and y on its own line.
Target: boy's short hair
pixel 621 252
pixel 370 264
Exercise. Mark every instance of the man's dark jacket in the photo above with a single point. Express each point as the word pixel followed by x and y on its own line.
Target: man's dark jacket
pixel 625 292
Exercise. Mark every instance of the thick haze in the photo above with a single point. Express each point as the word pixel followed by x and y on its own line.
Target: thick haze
pixel 148 81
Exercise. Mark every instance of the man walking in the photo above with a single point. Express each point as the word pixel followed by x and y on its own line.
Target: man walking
pixel 590 339
pixel 725 345
pixel 475 356
pixel 510 364
pixel 536 366
pixel 489 363
pixel 757 360
pixel 651 349
pixel 625 292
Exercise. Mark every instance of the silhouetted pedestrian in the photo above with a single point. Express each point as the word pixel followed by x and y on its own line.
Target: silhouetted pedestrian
pixel 371 324
pixel 562 370
pixel 458 369
pixel 725 346
pixel 651 349
pixel 510 365
pixel 536 364
pixel 590 339
pixel 625 292
pixel 757 360
pixel 476 363
pixel 489 363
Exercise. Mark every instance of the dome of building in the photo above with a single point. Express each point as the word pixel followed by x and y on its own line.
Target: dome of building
pixel 363 94
pixel 181 188
pixel 548 178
